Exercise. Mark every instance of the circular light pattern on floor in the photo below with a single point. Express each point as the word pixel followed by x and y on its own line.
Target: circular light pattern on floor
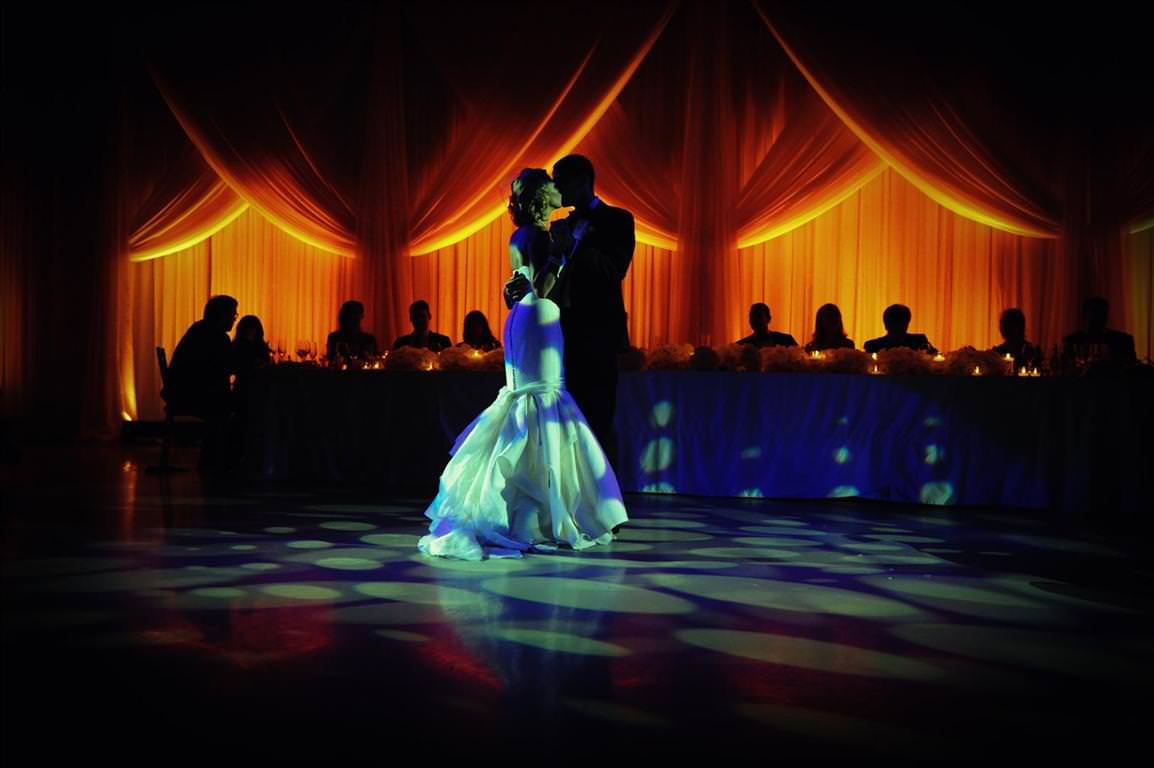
pixel 747 553
pixel 786 595
pixel 589 594
pixel 346 525
pixel 382 614
pixel 399 540
pixel 218 593
pixel 810 654
pixel 348 563
pixel 771 541
pixel 772 530
pixel 560 642
pixel 857 546
pixel 415 592
pixel 971 597
pixel 373 554
pixel 309 544
pixel 303 592
pixel 628 534
pixel 904 538
pixel 664 523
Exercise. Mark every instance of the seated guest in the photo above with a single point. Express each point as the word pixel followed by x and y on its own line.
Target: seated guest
pixel 419 316
pixel 759 318
pixel 198 378
pixel 477 333
pixel 828 332
pixel 1013 327
pixel 249 352
pixel 896 319
pixel 249 349
pixel 1097 343
pixel 349 340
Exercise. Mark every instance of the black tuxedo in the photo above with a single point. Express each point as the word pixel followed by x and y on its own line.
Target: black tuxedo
pixel 916 341
pixel 588 291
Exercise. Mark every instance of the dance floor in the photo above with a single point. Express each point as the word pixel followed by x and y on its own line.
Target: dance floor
pixel 144 612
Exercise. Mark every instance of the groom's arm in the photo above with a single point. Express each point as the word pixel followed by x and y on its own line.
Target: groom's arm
pixel 620 247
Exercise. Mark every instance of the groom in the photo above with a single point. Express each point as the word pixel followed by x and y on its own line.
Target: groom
pixel 596 242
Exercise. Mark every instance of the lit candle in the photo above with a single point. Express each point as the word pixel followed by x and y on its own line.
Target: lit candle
pixel 939 358
pixel 874 355
pixel 977 370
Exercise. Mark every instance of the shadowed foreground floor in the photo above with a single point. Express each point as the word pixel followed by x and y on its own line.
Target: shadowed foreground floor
pixel 141 612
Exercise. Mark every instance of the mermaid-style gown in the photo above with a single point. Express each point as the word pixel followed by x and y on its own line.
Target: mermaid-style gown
pixel 527 472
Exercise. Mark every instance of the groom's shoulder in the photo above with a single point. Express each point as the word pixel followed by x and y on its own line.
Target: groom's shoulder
pixel 620 215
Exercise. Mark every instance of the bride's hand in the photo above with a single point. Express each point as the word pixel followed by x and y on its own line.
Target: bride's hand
pixel 516 288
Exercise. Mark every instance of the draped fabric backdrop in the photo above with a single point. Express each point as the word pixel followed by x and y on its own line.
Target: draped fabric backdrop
pixel 768 153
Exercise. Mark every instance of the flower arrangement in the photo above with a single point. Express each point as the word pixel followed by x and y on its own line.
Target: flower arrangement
pixel 740 357
pixel 493 360
pixel 903 361
pixel 705 359
pixel 670 357
pixel 411 359
pixel 784 359
pixel 632 359
pixel 968 361
pixel 842 361
pixel 461 359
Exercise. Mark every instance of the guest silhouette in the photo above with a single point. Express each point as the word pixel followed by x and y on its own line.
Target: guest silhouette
pixel 249 352
pixel 896 319
pixel 1096 343
pixel 477 333
pixel 828 331
pixel 198 378
pixel 349 340
pixel 249 349
pixel 759 317
pixel 1012 324
pixel 419 316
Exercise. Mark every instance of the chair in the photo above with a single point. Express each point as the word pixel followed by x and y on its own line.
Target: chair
pixel 171 412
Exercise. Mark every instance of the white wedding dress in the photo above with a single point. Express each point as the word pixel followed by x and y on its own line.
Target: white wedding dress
pixel 527 473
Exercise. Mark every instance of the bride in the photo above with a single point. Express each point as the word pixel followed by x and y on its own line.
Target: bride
pixel 527 473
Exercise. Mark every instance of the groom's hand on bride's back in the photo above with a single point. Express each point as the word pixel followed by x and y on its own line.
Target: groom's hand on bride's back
pixel 515 289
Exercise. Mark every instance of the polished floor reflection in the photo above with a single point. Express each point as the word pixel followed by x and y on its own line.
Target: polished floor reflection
pixel 149 611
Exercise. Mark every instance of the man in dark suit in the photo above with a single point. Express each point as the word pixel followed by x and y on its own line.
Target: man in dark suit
pixel 896 319
pixel 759 317
pixel 1096 343
pixel 198 379
pixel 419 316
pixel 596 242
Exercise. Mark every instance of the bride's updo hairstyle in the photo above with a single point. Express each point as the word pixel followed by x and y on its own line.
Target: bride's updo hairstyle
pixel 527 204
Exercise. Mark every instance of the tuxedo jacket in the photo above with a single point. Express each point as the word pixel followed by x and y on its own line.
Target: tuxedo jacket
pixel 588 288
pixel 916 341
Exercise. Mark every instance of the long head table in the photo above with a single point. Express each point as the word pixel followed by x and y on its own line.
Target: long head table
pixel 1079 447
